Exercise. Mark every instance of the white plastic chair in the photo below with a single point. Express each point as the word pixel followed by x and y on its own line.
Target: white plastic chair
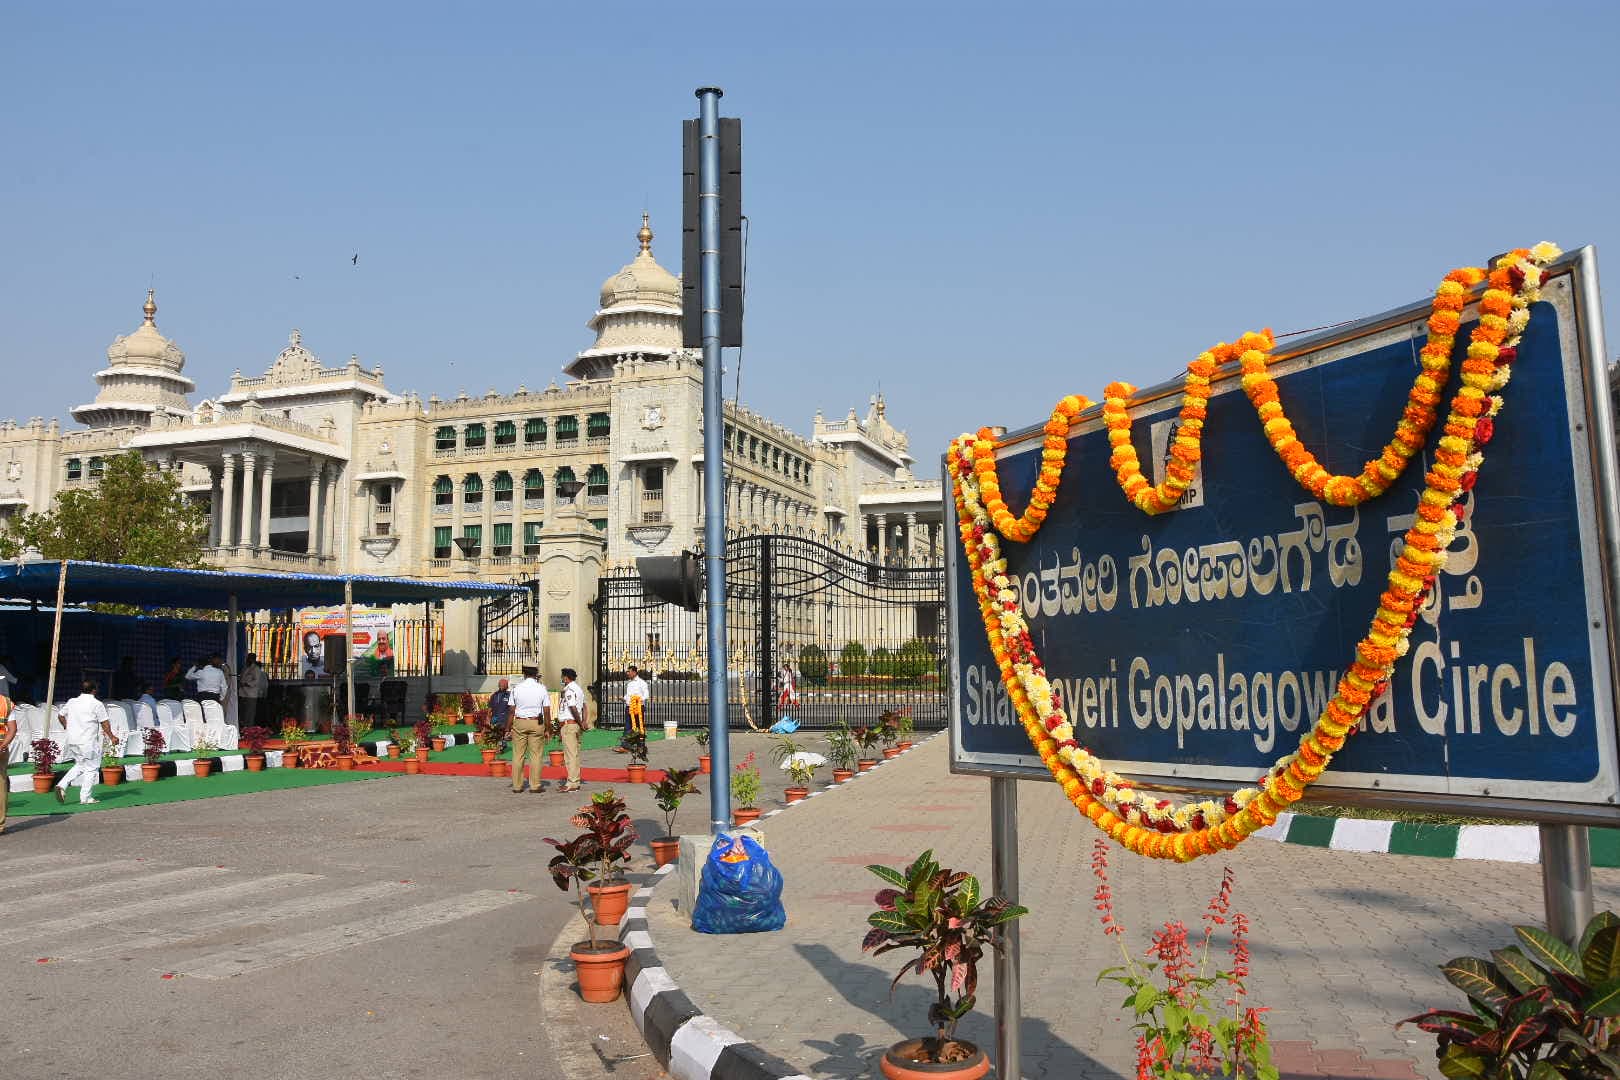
pixel 219 733
pixel 24 716
pixel 118 720
pixel 172 722
pixel 194 723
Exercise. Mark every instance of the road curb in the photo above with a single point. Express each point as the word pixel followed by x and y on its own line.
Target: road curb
pixel 1487 843
pixel 688 1043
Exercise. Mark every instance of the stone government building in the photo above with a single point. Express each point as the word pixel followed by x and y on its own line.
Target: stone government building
pixel 309 468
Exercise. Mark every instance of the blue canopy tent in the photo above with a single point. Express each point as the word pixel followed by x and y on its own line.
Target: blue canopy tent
pixel 71 581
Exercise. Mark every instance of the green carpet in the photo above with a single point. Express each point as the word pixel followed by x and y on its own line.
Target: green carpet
pixel 592 740
pixel 27 767
pixel 181 789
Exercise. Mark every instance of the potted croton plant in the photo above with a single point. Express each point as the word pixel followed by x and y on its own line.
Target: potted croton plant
pixel 904 725
pixel 867 738
pixel 343 745
pixel 702 738
pixel 800 763
pixel 888 730
pixel 253 740
pixel 599 965
pixel 668 793
pixel 937 912
pixel 636 744
pixel 152 750
pixel 490 738
pixel 44 753
pixel 610 828
pixel 842 752
pixel 423 730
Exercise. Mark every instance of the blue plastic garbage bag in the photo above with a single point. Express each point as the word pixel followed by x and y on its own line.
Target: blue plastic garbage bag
pixel 785 726
pixel 741 889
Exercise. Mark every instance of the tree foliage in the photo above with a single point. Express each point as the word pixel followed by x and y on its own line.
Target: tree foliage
pixel 135 514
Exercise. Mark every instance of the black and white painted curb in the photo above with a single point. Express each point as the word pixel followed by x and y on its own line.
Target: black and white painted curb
pixel 689 1044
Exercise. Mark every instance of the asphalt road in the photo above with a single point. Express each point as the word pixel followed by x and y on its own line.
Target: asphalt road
pixel 388 928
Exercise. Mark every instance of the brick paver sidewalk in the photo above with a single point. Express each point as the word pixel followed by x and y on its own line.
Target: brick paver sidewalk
pixel 1344 944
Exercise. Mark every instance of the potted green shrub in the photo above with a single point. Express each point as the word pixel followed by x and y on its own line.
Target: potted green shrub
pixel 152 744
pixel 396 743
pixel 490 737
pixel 203 764
pixel 938 913
pixel 253 740
pixel 841 750
pixel 292 733
pixel 702 738
pixel 745 791
pixel 636 744
pixel 800 763
pixel 904 726
pixel 867 738
pixel 598 965
pixel 668 793
pixel 111 771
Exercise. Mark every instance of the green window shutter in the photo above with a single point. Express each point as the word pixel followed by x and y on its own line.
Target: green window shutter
pixel 443 486
pixel 505 433
pixel 567 427
pixel 534 484
pixel 565 475
pixel 475 533
pixel 531 532
pixel 441 536
pixel 445 438
pixel 503 486
pixel 475 435
pixel 75 468
pixel 598 424
pixel 503 534
pixel 534 430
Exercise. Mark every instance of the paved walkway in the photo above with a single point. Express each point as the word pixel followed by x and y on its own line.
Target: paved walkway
pixel 1344 944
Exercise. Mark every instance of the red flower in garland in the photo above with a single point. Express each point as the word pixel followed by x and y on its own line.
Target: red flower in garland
pixel 1485 430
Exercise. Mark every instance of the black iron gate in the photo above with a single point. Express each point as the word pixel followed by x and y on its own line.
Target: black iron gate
pixel 858 638
pixel 509 631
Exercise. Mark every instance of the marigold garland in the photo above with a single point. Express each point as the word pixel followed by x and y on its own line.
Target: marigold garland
pixel 1053 451
pixel 1155 827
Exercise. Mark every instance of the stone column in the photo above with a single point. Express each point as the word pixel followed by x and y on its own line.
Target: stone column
pixel 248 490
pixel 227 500
pixel 572 554
pixel 883 537
pixel 911 537
pixel 264 500
pixel 214 502
pixel 487 543
pixel 334 505
pixel 314 530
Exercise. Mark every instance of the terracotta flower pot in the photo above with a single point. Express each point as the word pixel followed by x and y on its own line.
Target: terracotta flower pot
pixel 149 772
pixel 600 969
pixel 745 815
pixel 840 775
pixel 906 745
pixel 253 762
pixel 43 782
pixel 897 1062
pixel 609 902
pixel 637 773
pixel 666 850
pixel 501 767
pixel 112 774
pixel 797 794
pixel 412 767
pixel 345 762
pixel 488 756
pixel 555 757
pixel 204 766
pixel 866 764
pixel 703 764
pixel 438 742
pixel 421 757
pixel 890 752
pixel 289 758
pixel 393 751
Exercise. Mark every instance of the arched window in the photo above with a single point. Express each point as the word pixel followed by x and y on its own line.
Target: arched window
pixel 472 490
pixel 534 484
pixel 474 437
pixel 567 429
pixel 503 487
pixel 598 425
pixel 444 491
pixel 75 468
pixel 444 438
pixel 596 480
pixel 565 475
pixel 534 430
pixel 505 433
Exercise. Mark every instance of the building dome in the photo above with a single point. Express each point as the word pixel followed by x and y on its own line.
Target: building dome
pixel 142 377
pixel 640 314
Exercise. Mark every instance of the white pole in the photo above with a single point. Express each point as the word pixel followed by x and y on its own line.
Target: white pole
pixel 56 646
pixel 231 683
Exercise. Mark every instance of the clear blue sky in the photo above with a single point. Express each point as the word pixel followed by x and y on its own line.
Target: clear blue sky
pixel 980 206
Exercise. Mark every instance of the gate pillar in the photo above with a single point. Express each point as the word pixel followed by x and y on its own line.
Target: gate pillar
pixel 572 553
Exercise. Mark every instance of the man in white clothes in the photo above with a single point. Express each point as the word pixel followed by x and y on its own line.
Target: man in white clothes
pixel 210 679
pixel 571 717
pixel 531 719
pixel 637 698
pixel 86 722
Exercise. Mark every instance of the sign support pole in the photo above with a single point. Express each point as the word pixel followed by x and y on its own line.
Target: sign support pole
pixel 1566 880
pixel 1009 1012
pixel 714 449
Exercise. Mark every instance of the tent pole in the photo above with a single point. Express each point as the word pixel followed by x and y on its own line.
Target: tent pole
pixel 427 648
pixel 348 644
pixel 232 708
pixel 56 647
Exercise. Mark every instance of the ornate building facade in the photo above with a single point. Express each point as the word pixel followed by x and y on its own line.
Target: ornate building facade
pixel 313 468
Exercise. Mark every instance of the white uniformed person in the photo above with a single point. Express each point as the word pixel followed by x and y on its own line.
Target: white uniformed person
pixel 86 722
pixel 531 718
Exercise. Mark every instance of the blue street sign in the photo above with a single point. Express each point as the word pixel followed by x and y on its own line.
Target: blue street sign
pixel 1196 647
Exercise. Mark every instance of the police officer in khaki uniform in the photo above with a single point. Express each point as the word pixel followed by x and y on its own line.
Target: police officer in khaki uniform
pixel 573 716
pixel 531 719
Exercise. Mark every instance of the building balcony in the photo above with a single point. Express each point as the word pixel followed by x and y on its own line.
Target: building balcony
pixel 440 452
pixel 534 503
pixel 603 441
pixel 242 557
pixel 445 509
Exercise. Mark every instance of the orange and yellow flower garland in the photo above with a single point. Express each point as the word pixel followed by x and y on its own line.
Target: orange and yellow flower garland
pixel 1422 407
pixel 1155 827
pixel 1053 451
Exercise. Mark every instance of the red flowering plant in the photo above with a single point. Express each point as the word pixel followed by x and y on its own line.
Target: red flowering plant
pixel 1181 1033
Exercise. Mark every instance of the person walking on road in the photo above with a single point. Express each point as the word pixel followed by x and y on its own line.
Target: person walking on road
pixel 531 708
pixel 86 722
pixel 572 716
pixel 636 700
pixel 251 687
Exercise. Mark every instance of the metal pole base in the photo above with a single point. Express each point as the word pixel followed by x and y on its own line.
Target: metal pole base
pixel 1566 880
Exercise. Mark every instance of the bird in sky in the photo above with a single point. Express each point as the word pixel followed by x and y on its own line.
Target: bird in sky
pixel 356 260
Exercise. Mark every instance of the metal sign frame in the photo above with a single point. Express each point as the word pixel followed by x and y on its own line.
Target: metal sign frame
pixel 1597 483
